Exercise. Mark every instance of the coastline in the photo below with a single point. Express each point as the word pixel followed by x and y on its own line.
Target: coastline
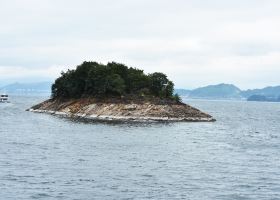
pixel 145 112
pixel 123 118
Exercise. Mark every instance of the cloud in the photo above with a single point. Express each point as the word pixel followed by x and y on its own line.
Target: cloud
pixel 196 42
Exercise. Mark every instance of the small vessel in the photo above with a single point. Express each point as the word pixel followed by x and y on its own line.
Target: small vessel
pixel 4 98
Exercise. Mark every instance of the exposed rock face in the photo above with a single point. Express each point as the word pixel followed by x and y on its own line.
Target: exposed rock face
pixel 119 111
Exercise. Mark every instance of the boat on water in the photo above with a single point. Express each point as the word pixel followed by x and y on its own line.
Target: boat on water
pixel 4 98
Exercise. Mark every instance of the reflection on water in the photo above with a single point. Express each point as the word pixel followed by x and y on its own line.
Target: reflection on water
pixel 48 157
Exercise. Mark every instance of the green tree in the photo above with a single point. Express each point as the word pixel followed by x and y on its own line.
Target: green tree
pixel 115 85
pixel 169 89
pixel 136 80
pixel 177 98
pixel 91 79
pixel 160 84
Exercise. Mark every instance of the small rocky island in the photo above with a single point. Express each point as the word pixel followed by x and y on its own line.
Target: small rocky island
pixel 116 92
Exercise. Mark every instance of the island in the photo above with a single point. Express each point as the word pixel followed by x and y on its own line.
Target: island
pixel 116 92
pixel 264 98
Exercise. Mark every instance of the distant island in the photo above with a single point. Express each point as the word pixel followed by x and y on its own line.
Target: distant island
pixel 117 92
pixel 264 98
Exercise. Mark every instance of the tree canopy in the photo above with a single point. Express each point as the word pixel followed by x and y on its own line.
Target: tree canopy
pixel 92 79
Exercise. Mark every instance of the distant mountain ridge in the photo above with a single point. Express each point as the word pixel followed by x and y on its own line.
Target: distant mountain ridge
pixel 27 88
pixel 264 98
pixel 219 91
pixel 230 91
pixel 267 91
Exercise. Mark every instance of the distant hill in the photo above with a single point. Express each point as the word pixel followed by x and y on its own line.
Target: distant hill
pixel 220 91
pixel 267 91
pixel 27 88
pixel 229 91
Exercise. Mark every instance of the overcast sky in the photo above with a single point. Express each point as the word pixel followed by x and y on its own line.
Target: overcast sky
pixel 195 42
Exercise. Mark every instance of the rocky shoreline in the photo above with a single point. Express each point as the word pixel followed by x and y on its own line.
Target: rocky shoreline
pixel 91 109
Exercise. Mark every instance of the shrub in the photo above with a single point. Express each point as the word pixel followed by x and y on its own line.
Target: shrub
pixel 177 98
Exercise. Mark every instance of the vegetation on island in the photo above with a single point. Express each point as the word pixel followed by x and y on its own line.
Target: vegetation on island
pixel 92 79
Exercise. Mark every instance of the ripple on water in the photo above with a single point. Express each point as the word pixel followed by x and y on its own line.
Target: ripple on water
pixel 46 157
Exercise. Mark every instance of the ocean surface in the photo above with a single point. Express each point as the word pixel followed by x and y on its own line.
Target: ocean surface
pixel 48 157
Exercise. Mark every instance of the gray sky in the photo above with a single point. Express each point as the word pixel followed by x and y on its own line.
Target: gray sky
pixel 195 42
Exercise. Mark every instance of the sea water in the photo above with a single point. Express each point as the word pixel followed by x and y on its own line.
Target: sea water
pixel 48 157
